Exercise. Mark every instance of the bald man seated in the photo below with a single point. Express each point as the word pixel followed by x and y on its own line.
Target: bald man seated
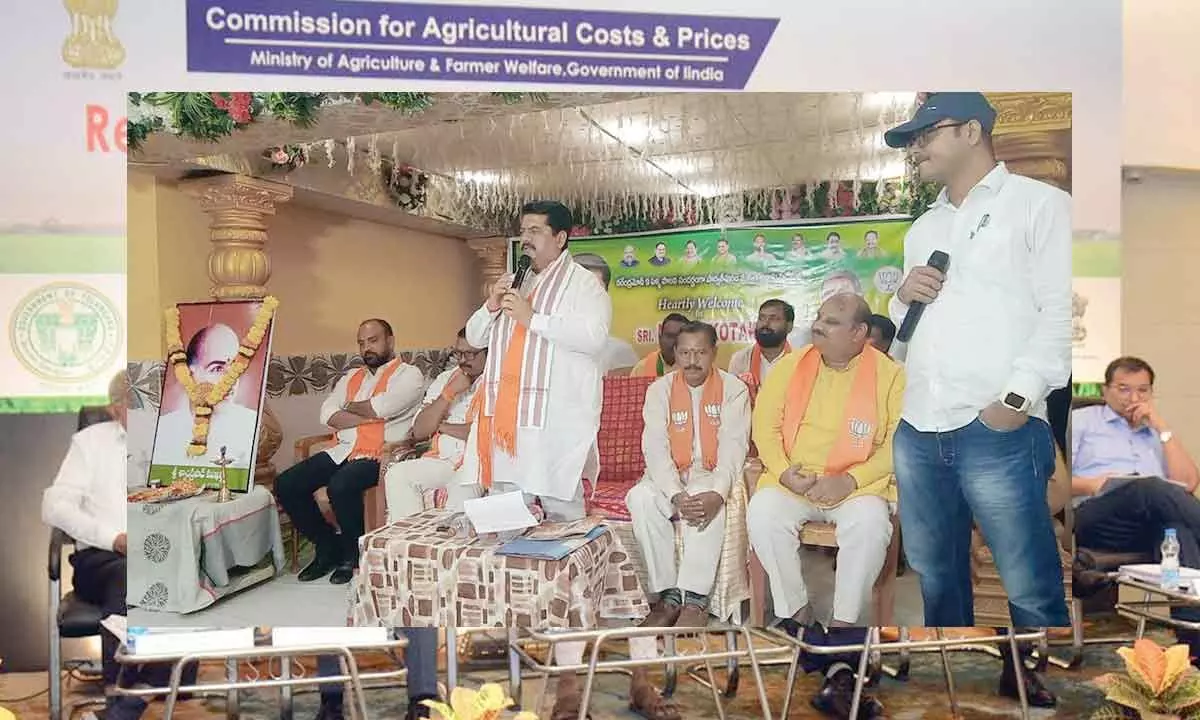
pixel 209 354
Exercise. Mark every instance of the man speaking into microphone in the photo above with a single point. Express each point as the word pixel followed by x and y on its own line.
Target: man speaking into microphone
pixel 994 338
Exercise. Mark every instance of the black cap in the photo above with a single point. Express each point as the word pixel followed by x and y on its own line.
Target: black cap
pixel 960 106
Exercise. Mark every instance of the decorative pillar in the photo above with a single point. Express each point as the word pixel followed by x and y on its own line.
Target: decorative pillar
pixel 493 261
pixel 240 266
pixel 1033 135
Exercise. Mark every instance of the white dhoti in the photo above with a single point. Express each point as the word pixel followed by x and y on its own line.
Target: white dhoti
pixel 408 484
pixel 864 530
pixel 651 512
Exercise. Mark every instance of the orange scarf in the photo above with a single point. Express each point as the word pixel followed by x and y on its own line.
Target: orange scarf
pixel 756 361
pixel 680 428
pixel 652 365
pixel 856 439
pixel 368 437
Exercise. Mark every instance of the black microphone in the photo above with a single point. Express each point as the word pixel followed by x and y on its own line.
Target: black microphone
pixel 939 261
pixel 523 264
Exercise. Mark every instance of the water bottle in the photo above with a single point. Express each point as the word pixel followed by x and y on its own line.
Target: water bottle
pixel 1169 567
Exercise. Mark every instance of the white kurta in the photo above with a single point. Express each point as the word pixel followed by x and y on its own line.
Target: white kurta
pixel 398 404
pixel 649 501
pixel 549 460
pixel 740 362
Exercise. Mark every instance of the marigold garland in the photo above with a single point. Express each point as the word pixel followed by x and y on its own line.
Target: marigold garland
pixel 203 397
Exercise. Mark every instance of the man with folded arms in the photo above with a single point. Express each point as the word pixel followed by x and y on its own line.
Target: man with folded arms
pixel 695 442
pixel 442 421
pixel 775 321
pixel 368 406
pixel 537 413
pixel 662 361
pixel 88 502
pixel 823 425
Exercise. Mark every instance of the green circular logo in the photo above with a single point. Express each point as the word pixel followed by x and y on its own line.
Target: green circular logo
pixel 66 333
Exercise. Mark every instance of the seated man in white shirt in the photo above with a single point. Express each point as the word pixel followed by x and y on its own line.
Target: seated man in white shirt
pixel 695 441
pixel 87 502
pixel 618 357
pixel 369 405
pixel 444 420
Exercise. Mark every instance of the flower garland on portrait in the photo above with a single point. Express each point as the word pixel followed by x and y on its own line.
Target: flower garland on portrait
pixel 203 397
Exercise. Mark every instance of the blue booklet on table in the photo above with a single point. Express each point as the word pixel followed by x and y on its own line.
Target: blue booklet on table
pixel 555 549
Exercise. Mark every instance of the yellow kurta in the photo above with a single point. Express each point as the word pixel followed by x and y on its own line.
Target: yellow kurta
pixel 824 421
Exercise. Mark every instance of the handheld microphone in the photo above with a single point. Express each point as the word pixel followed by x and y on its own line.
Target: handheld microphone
pixel 939 261
pixel 523 264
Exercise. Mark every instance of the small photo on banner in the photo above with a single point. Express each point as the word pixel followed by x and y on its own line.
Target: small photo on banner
pixel 213 391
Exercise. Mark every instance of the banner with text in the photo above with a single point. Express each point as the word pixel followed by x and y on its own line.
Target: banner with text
pixel 722 275
pixel 1096 307
pixel 474 43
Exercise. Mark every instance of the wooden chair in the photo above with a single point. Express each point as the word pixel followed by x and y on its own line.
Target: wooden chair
pixel 883 597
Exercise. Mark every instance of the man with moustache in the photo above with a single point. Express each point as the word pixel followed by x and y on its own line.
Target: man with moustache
pixel 662 361
pixel 833 248
pixel 442 421
pixel 823 425
pixel 369 406
pixel 695 441
pixel 760 256
pixel 974 446
pixel 537 411
pixel 1132 478
pixel 619 357
pixel 752 364
pixel 723 256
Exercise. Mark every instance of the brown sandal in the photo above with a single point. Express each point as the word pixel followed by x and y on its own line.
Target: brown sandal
pixel 566 707
pixel 645 700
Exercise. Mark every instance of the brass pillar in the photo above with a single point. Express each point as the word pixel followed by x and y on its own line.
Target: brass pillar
pixel 1033 135
pixel 493 261
pixel 239 265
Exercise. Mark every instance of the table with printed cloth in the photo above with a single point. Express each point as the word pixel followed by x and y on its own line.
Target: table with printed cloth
pixel 414 573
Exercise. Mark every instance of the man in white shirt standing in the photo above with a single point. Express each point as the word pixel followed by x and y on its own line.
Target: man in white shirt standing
pixel 88 502
pixel 369 406
pixel 539 409
pixel 619 356
pixel 974 445
pixel 443 421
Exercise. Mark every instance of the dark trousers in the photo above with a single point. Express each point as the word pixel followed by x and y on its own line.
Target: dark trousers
pixel 100 580
pixel 420 658
pixel 832 637
pixel 346 485
pixel 1134 518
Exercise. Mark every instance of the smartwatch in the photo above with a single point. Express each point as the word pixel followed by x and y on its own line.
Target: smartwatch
pixel 1015 402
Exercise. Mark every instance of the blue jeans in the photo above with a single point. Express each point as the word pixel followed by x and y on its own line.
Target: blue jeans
pixel 420 658
pixel 950 480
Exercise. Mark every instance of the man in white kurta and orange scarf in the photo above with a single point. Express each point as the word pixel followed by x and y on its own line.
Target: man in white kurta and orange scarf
pixel 752 364
pixel 695 441
pixel 537 413
pixel 369 405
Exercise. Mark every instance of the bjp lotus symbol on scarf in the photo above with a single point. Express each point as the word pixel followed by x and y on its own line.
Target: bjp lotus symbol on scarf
pixel 679 417
pixel 713 412
pixel 860 430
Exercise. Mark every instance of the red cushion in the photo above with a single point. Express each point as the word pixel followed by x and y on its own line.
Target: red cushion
pixel 609 500
pixel 620 438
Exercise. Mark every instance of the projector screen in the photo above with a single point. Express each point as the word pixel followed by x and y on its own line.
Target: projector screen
pixel 62 292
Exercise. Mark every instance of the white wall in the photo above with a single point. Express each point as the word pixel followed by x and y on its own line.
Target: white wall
pixel 1162 83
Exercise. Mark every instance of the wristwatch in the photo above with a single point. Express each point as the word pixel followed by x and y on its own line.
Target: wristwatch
pixel 1165 436
pixel 1015 402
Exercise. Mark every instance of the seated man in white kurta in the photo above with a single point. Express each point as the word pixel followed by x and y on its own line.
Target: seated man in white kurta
pixel 442 421
pixel 538 408
pixel 695 442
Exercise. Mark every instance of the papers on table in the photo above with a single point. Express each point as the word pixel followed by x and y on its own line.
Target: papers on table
pixel 330 636
pixel 1151 574
pixel 501 513
pixel 177 641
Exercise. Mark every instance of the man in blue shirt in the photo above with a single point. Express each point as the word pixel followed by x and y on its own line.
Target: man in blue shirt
pixel 1131 477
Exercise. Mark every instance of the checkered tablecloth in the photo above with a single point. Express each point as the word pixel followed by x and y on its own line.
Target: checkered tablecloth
pixel 412 574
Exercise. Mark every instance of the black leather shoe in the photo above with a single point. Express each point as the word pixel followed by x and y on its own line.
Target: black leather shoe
pixel 331 709
pixel 322 564
pixel 342 574
pixel 417 711
pixel 836 697
pixel 1039 695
